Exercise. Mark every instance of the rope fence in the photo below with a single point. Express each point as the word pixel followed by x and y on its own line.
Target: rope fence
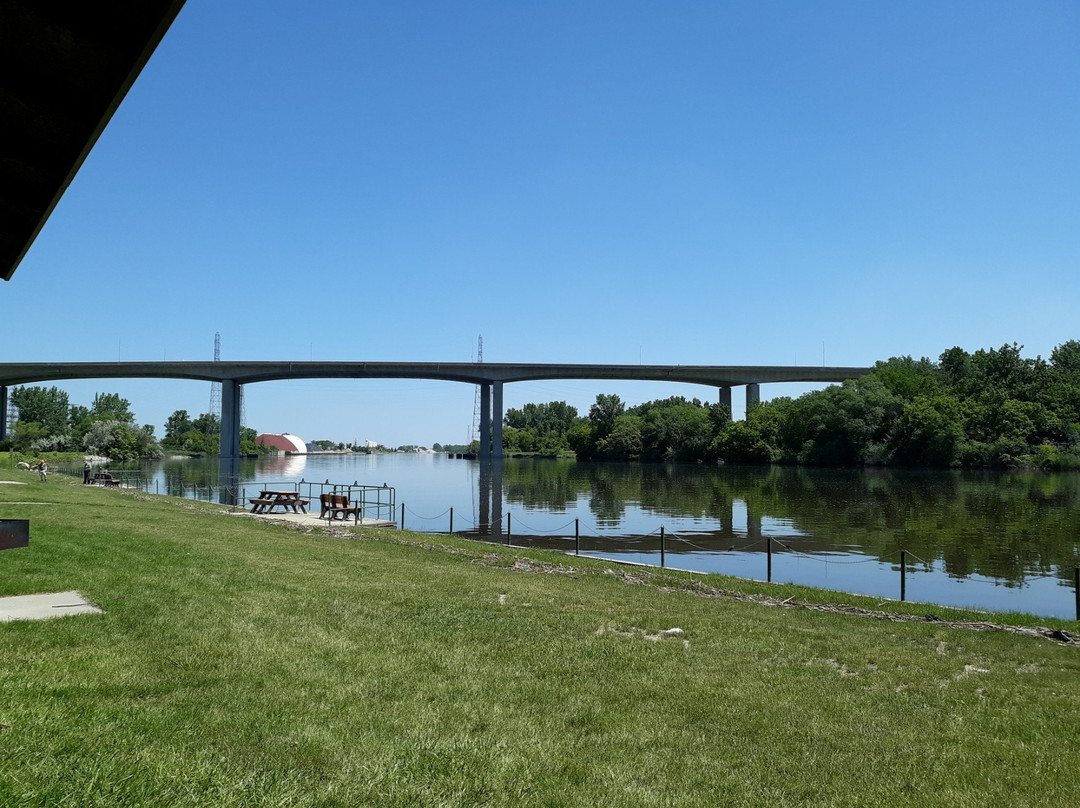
pixel 662 542
pixel 381 500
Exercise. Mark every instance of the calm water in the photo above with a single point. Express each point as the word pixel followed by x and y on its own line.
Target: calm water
pixel 995 541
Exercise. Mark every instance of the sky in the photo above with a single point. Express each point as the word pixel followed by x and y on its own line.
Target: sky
pixel 610 181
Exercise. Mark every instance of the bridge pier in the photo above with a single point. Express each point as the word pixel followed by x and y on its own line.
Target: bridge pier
pixel 230 418
pixel 753 396
pixel 485 421
pixel 497 420
pixel 725 398
pixel 491 420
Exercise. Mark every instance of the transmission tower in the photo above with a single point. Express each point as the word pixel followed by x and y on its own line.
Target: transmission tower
pixel 12 416
pixel 215 387
pixel 475 430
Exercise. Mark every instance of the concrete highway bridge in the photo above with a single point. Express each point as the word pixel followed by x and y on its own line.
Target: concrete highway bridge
pixel 490 376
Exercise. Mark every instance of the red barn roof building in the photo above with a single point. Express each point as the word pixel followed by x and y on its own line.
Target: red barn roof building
pixel 285 442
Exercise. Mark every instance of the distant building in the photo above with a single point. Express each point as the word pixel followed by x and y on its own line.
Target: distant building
pixel 285 442
pixel 370 444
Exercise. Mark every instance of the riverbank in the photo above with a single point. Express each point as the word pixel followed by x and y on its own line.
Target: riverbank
pixel 239 662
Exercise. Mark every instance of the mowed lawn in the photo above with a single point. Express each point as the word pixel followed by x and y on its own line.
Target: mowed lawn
pixel 248 664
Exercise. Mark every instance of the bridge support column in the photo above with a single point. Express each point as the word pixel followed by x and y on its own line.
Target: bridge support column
pixel 497 420
pixel 3 412
pixel 485 421
pixel 230 418
pixel 725 398
pixel 753 396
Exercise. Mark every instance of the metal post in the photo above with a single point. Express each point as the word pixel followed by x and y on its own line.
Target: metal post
pixel 661 545
pixel 577 542
pixel 509 536
pixel 768 556
pixel 451 521
pixel 903 575
pixel 401 524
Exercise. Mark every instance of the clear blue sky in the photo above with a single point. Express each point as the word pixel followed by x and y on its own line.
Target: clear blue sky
pixel 604 182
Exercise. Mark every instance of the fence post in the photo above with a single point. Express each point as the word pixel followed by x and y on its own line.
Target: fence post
pixel 661 546
pixel 903 575
pixel 577 542
pixel 1076 589
pixel 451 521
pixel 768 557
pixel 509 536
pixel 401 524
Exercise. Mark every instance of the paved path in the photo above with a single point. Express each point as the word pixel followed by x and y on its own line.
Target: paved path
pixel 44 606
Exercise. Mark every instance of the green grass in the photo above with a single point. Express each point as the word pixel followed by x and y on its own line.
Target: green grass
pixel 243 663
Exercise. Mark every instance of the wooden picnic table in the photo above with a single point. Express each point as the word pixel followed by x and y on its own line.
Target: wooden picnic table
pixel 286 500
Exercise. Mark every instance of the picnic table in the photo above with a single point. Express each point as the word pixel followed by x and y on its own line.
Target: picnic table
pixel 286 500
pixel 106 479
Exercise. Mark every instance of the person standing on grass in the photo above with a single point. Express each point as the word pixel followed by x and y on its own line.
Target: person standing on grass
pixel 43 470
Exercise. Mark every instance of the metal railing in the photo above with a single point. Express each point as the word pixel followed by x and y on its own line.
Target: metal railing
pixel 372 502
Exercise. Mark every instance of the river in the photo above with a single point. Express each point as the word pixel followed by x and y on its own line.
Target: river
pixel 998 541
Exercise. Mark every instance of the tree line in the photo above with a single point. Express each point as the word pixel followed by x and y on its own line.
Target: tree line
pixel 990 408
pixel 48 422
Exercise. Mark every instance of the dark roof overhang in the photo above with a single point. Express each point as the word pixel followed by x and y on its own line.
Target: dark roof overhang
pixel 65 66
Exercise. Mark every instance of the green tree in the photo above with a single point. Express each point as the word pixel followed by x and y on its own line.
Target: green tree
pixel 675 432
pixel 624 441
pixel 928 433
pixel 603 414
pixel 111 407
pixel 29 436
pixel 176 426
pixel 208 423
pixel 45 406
pixel 907 378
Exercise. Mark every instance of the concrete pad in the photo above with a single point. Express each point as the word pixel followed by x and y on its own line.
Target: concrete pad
pixel 44 606
pixel 313 520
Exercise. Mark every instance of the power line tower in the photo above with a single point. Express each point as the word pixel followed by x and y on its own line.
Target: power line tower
pixel 215 387
pixel 12 416
pixel 475 430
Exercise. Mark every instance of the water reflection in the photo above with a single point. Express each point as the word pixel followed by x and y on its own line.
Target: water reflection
pixel 288 466
pixel 1008 530
pixel 1001 526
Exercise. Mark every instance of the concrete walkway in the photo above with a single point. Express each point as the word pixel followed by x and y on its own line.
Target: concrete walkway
pixel 44 606
pixel 313 520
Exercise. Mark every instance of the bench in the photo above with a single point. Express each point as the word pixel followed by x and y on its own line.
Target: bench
pixel 336 506
pixel 106 479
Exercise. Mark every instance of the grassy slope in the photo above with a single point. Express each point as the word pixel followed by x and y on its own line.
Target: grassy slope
pixel 241 663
